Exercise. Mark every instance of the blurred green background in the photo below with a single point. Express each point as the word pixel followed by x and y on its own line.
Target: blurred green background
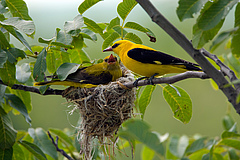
pixel 209 105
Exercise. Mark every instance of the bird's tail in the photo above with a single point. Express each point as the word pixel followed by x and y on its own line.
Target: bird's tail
pixel 192 67
pixel 54 82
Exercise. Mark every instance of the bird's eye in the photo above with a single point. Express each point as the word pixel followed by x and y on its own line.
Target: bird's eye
pixel 106 60
pixel 115 58
pixel 115 45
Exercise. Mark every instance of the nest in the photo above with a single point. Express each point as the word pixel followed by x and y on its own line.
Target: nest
pixel 102 109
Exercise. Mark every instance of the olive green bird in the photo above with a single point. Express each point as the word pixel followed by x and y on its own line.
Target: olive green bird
pixel 88 77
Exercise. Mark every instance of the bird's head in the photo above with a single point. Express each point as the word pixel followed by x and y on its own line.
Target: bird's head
pixel 110 62
pixel 119 47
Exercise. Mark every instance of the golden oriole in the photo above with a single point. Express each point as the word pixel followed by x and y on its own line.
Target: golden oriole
pixel 88 77
pixel 148 62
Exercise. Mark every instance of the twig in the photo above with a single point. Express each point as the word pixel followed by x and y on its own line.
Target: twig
pixel 207 67
pixel 58 149
pixel 172 79
pixel 225 69
pixel 49 91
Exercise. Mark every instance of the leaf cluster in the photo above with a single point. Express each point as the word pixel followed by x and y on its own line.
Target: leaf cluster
pixel 64 53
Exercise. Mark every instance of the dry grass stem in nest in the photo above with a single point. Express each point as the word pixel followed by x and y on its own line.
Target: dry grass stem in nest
pixel 102 109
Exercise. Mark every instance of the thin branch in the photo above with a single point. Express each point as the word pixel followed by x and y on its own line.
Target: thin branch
pixel 49 91
pixel 58 149
pixel 207 67
pixel 170 80
pixel 225 69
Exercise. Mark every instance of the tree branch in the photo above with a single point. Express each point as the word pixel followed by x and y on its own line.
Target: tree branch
pixel 58 149
pixel 207 67
pixel 49 91
pixel 170 80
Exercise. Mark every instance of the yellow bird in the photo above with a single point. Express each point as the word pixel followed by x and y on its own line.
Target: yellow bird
pixel 89 77
pixel 148 62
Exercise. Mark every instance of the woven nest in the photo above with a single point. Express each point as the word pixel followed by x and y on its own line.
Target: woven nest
pixel 102 109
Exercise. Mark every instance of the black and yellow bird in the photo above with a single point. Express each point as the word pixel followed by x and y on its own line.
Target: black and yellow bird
pixel 148 62
pixel 102 73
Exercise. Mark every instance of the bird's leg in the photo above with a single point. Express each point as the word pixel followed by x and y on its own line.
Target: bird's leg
pixel 150 80
pixel 138 79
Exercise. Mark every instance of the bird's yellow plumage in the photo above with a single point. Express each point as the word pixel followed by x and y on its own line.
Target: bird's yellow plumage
pixel 88 77
pixel 148 62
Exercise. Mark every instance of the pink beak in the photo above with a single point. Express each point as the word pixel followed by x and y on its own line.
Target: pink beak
pixel 108 49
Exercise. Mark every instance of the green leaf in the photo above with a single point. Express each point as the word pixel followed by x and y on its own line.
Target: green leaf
pixel 221 38
pixel 62 135
pixel 3 41
pixel 114 22
pixel 236 36
pixel 46 41
pixel 187 8
pixel 6 154
pixel 79 56
pixel 65 69
pixel 2 92
pixel 63 38
pixel 7 73
pixel 3 58
pixel 18 104
pixel 201 37
pixel 233 61
pixel 74 27
pixel 227 134
pixel 147 153
pixel 14 53
pixel 50 60
pixel 125 7
pixel 23 72
pixel 178 145
pixel 7 133
pixel 61 57
pixel 18 8
pixel 198 154
pixel 139 130
pixel 230 143
pixel 110 39
pixel 34 149
pixel 86 4
pixel 27 27
pixel 145 98
pixel 237 15
pixel 215 13
pixel 25 97
pixel 43 142
pixel 92 25
pixel 196 145
pixel 232 154
pixel 234 45
pixel 136 26
pixel 133 37
pixel 40 66
pixel 17 35
pixel 181 105
pixel 228 123
pixel 18 153
pixel 86 33
pixel 120 31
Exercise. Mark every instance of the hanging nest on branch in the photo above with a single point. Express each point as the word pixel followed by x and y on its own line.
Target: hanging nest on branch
pixel 102 109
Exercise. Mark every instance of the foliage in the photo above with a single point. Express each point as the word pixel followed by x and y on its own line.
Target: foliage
pixel 64 53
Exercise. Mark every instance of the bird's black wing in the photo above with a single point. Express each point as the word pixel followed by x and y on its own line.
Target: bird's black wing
pixel 82 76
pixel 156 57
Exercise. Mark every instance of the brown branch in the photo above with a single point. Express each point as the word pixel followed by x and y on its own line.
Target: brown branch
pixel 172 79
pixel 207 67
pixel 58 149
pixel 225 69
pixel 49 91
